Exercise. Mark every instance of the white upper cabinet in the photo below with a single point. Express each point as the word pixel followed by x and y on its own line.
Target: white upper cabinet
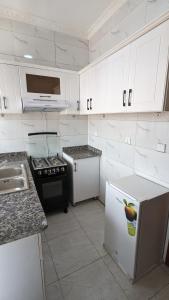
pixel 131 80
pixel 84 88
pixel 10 97
pixel 117 81
pixel 148 70
pixel 72 93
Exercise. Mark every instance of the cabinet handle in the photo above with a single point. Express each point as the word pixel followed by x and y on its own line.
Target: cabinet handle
pixel 91 103
pixel 87 104
pixel 75 167
pixel 129 98
pixel 78 105
pixel 124 98
pixel 4 102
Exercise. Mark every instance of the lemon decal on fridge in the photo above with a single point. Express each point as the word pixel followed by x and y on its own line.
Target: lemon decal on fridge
pixel 131 216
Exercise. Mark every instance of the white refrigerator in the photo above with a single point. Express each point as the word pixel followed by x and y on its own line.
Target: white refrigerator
pixel 136 218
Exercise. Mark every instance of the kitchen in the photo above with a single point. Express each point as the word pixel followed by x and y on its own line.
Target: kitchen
pixel 116 130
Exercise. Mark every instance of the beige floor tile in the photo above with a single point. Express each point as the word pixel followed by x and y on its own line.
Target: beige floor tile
pixel 144 288
pixel 71 252
pixel 49 270
pixel 93 282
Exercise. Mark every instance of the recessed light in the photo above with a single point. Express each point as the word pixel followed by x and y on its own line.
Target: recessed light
pixel 29 56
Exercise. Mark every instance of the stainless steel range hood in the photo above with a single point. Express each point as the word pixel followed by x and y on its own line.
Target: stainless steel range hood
pixel 43 105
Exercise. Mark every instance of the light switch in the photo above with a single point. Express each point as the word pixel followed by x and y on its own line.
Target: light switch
pixel 161 147
pixel 128 140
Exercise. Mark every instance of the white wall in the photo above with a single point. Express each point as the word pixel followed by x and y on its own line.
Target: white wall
pixel 47 47
pixel 132 16
pixel 14 129
pixel 109 132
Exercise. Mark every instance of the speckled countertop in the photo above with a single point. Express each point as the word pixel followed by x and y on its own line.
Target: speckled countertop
pixel 21 213
pixel 80 152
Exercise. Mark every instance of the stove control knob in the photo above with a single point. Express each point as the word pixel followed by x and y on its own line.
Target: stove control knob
pixel 49 172
pixel 39 173
pixel 45 172
pixel 57 170
pixel 53 171
pixel 62 169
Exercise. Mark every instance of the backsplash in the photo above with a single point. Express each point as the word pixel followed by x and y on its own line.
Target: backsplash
pixel 47 47
pixel 112 133
pixel 14 129
pixel 131 17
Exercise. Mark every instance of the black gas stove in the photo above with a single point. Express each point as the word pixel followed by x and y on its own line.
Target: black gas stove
pixel 50 166
pixel 51 180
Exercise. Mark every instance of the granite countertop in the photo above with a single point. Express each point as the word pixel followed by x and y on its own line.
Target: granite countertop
pixel 21 213
pixel 80 152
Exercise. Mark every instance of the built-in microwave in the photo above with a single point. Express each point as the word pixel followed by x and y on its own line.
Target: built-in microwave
pixel 42 84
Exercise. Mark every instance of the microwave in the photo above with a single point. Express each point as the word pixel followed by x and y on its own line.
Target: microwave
pixel 42 84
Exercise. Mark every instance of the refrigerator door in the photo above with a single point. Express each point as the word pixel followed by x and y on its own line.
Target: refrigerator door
pixel 121 224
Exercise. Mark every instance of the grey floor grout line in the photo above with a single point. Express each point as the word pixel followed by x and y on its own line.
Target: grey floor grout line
pixel 156 294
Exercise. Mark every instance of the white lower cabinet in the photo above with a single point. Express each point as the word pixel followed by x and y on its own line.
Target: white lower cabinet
pixel 21 270
pixel 84 174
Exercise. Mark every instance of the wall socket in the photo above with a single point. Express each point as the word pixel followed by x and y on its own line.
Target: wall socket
pixel 128 140
pixel 161 147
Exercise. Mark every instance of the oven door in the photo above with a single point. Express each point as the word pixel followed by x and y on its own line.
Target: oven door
pixel 52 192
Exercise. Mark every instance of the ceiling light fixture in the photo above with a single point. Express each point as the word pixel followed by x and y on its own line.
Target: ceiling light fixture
pixel 29 56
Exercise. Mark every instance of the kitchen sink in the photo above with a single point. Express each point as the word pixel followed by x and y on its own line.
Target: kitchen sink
pixel 10 172
pixel 13 178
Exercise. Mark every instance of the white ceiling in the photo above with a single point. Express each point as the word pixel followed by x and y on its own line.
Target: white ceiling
pixel 75 17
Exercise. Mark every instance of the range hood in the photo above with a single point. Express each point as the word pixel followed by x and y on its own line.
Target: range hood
pixel 43 105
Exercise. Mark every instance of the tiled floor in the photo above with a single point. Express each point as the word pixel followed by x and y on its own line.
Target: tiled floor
pixel 78 268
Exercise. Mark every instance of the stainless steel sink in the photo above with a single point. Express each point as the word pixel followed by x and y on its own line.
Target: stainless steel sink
pixel 10 172
pixel 13 178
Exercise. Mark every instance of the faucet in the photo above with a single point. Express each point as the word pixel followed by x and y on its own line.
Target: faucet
pixel 3 163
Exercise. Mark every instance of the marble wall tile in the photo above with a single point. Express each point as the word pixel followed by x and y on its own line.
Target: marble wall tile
pixel 47 47
pixel 155 8
pixel 153 164
pixel 129 18
pixel 14 131
pixel 40 49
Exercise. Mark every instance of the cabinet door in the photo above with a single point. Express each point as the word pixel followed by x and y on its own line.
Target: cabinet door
pixel 148 70
pixel 72 94
pixel 10 89
pixel 120 232
pixel 99 87
pixel 84 90
pixel 117 81
pixel 86 178
pixel 20 276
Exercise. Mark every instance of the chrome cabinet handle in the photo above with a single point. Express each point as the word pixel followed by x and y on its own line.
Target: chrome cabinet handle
pixel 91 103
pixel 4 102
pixel 75 167
pixel 124 97
pixel 129 98
pixel 87 104
pixel 78 105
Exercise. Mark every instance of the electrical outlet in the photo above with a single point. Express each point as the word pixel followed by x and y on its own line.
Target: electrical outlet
pixel 161 147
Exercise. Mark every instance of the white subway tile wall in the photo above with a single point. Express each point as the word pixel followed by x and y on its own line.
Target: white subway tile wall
pixel 129 144
pixel 132 16
pixel 47 47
